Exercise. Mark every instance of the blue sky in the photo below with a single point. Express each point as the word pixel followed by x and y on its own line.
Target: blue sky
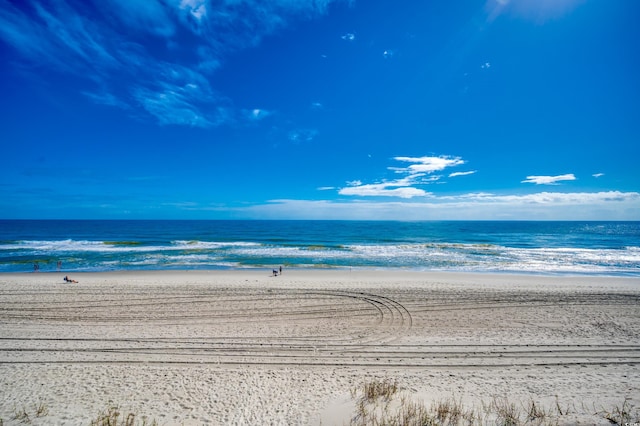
pixel 236 109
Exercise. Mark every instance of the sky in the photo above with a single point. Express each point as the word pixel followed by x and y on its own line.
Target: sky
pixel 320 109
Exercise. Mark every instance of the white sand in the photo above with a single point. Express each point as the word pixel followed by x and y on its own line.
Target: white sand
pixel 243 347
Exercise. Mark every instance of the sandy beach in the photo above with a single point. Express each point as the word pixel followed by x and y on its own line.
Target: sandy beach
pixel 245 347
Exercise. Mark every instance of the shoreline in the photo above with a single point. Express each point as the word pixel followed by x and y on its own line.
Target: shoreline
pixel 244 347
pixel 313 271
pixel 346 276
pixel 345 269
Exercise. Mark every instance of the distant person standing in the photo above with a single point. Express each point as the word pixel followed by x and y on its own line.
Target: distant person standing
pixel 59 264
pixel 36 267
pixel 280 269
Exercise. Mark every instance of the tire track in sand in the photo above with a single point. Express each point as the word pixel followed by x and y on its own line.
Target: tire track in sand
pixel 275 327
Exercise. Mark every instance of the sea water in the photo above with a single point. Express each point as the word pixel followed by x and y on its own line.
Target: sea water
pixel 592 248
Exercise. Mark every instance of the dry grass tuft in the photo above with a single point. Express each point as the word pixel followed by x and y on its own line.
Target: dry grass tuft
pixel 379 389
pixel 622 415
pixel 22 415
pixel 507 413
pixel 113 417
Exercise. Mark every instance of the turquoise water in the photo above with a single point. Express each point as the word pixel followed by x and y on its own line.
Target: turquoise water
pixel 600 248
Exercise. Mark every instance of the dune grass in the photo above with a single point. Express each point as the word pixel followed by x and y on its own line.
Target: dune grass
pixel 111 416
pixel 382 403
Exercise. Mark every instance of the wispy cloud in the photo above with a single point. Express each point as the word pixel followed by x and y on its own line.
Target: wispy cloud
pixel 548 180
pixel 302 135
pixel 597 175
pixel 470 172
pixel 173 107
pixel 146 78
pixel 145 16
pixel 59 38
pixel 257 114
pixel 106 98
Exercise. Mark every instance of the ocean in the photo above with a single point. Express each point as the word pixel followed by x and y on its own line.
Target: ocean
pixel 583 248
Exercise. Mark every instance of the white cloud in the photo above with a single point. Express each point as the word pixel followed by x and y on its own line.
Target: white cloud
pixel 401 188
pixel 597 175
pixel 389 189
pixel 197 8
pixel 420 172
pixel 454 174
pixel 427 164
pixel 348 37
pixel 548 198
pixel 611 205
pixel 548 180
pixel 427 179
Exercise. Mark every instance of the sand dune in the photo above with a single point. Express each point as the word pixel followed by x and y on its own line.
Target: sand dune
pixel 243 347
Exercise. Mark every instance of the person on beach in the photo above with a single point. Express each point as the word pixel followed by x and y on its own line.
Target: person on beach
pixel 280 269
pixel 69 280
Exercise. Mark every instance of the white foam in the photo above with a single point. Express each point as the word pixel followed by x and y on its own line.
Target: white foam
pixel 105 246
pixel 450 256
pixel 196 244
